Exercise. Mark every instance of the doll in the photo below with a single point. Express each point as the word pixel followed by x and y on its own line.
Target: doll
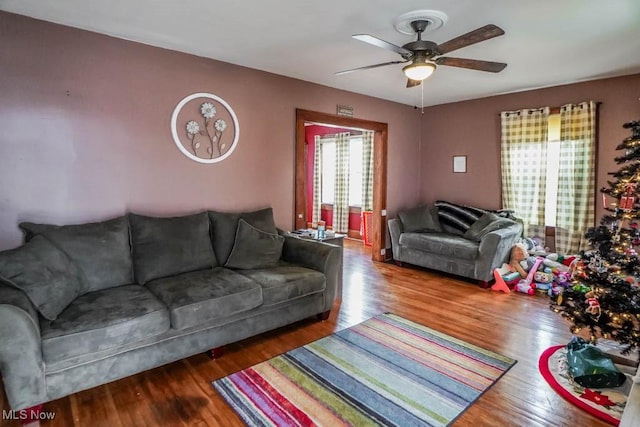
pixel 510 274
pixel 518 253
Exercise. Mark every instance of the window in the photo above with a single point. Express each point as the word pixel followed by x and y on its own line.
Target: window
pixel 355 171
pixel 548 170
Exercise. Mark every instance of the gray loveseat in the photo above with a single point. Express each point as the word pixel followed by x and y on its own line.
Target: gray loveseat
pixel 82 305
pixel 456 239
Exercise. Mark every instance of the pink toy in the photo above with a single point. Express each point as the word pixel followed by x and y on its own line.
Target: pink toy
pixel 504 276
pixel 525 288
pixel 526 285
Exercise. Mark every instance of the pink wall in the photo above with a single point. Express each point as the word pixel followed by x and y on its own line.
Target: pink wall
pixel 85 131
pixel 472 128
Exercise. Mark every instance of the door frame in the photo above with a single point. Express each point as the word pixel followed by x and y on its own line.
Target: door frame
pixel 379 223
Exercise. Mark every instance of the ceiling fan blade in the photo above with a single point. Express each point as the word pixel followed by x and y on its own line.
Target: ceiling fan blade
pixel 366 67
pixel 383 44
pixel 412 83
pixel 476 36
pixel 472 64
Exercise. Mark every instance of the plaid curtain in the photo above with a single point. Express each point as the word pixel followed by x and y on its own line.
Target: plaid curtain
pixel 576 176
pixel 524 164
pixel 341 192
pixel 367 170
pixel 317 181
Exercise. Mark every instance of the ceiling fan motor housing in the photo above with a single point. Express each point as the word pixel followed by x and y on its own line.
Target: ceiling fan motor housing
pixel 429 49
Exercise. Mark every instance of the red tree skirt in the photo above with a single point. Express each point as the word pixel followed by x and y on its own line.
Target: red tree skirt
pixel 605 404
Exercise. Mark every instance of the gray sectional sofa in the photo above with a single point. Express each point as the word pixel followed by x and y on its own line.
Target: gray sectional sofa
pixel 457 239
pixel 82 305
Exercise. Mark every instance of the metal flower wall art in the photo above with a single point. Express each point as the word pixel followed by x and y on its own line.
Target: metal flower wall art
pixel 205 128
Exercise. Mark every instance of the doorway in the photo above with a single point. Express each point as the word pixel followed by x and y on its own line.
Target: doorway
pixel 378 223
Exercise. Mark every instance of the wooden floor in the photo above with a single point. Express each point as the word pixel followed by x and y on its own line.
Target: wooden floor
pixel 515 325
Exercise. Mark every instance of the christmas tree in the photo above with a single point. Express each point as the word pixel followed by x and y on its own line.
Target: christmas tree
pixel 604 294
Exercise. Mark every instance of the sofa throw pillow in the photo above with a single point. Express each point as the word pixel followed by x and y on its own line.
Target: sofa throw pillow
pixel 486 224
pixel 168 246
pixel 418 220
pixel 224 226
pixel 254 248
pixel 101 250
pixel 44 273
pixel 457 217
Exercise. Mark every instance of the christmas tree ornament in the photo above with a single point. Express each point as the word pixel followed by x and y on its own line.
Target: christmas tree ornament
pixel 593 305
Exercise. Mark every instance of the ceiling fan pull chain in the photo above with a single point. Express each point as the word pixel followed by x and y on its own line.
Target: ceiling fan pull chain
pixel 422 104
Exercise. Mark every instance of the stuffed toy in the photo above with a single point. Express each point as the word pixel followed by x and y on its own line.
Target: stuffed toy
pixel 555 289
pixel 593 304
pixel 542 277
pixel 543 280
pixel 555 264
pixel 564 260
pixel 562 278
pixel 534 245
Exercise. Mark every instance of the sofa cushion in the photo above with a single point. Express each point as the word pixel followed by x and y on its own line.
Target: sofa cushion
pixel 486 224
pixel 44 273
pixel 254 248
pixel 201 296
pixel 102 320
pixel 457 217
pixel 441 243
pixel 224 226
pixel 286 282
pixel 167 246
pixel 419 219
pixel 101 249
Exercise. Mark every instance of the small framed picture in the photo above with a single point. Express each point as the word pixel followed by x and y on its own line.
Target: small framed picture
pixel 459 164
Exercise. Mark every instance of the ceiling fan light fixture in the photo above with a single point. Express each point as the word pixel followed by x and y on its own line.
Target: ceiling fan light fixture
pixel 419 70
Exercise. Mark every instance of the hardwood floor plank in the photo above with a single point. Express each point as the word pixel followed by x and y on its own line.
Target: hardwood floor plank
pixel 515 325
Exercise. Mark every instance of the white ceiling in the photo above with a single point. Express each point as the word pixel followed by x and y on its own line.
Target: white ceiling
pixel 547 42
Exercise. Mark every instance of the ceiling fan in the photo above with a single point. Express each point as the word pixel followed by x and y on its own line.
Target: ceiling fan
pixel 425 55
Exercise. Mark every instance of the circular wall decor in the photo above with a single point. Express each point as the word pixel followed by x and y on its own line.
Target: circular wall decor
pixel 205 128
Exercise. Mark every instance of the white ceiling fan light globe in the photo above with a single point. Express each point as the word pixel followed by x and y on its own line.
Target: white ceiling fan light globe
pixel 419 71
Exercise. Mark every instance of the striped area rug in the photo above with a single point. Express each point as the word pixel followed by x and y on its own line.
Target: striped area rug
pixel 384 371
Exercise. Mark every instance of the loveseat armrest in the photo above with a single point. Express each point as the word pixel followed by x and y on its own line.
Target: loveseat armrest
pixel 494 250
pixel 21 361
pixel 322 257
pixel 395 230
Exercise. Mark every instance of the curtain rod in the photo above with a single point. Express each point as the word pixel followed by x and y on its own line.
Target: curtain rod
pixel 333 135
pixel 553 110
